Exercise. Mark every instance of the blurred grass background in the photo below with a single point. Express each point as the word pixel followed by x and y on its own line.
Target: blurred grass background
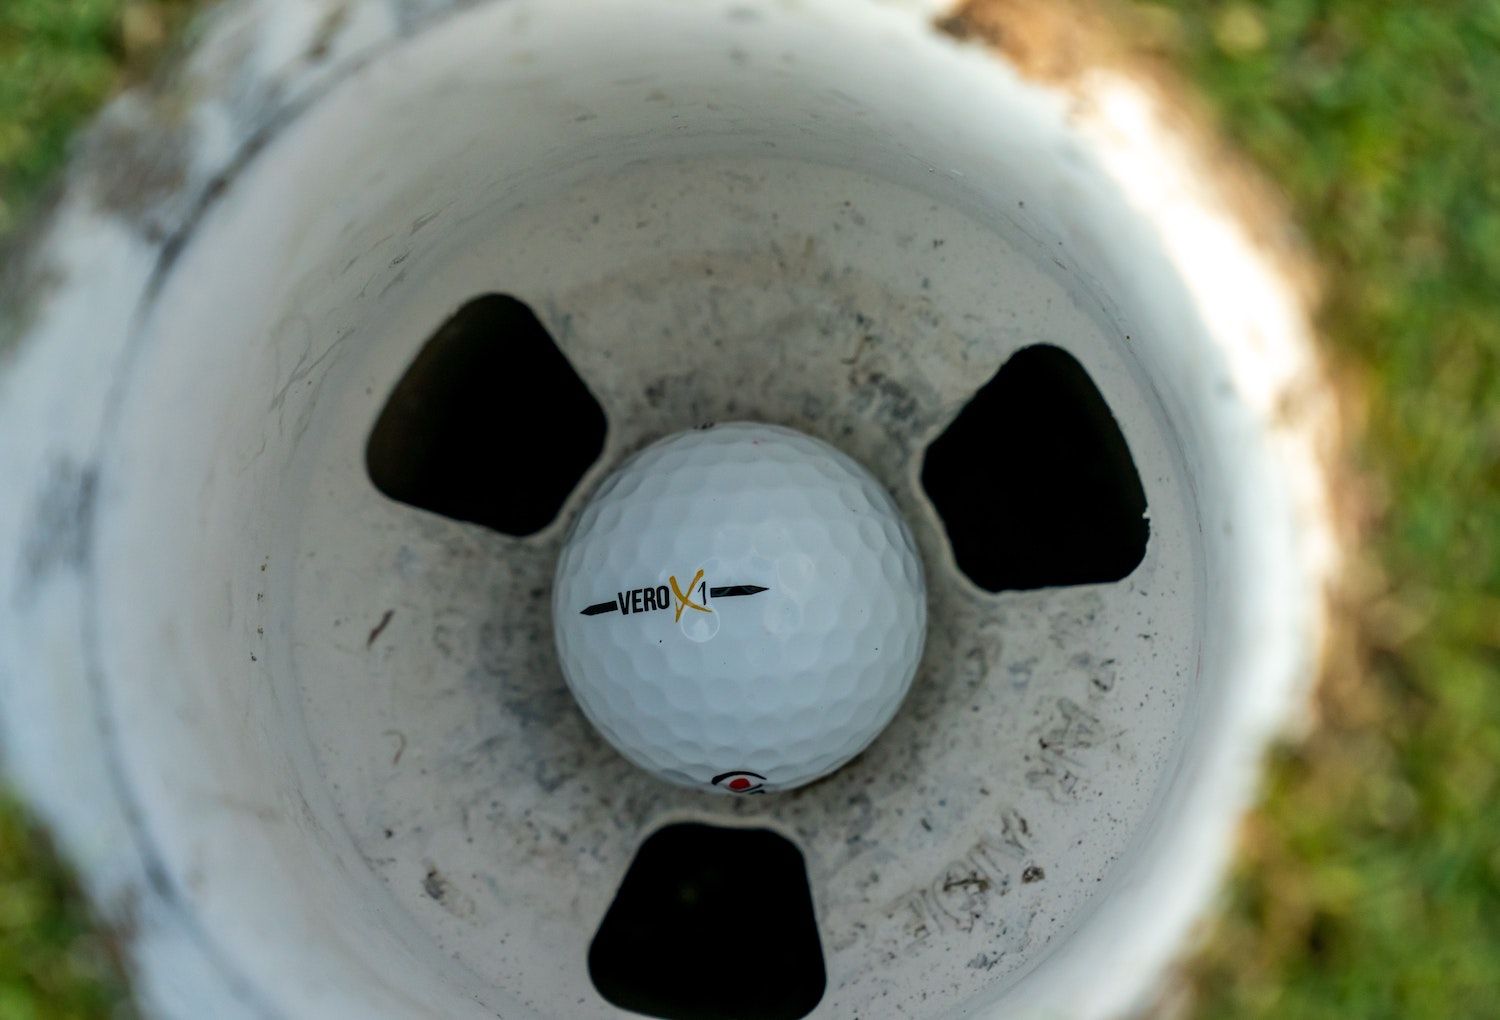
pixel 1369 885
pixel 1369 881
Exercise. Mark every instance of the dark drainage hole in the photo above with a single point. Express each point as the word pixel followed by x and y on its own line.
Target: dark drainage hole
pixel 489 424
pixel 1034 481
pixel 711 923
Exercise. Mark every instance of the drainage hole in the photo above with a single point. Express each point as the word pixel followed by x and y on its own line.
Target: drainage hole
pixel 490 423
pixel 1034 481
pixel 711 924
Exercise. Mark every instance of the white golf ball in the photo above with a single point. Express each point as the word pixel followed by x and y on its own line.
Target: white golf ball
pixel 740 608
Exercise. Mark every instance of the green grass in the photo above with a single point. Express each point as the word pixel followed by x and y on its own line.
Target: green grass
pixel 1370 880
pixel 1370 884
pixel 52 962
pixel 58 60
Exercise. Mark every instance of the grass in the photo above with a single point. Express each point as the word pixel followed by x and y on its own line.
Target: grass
pixel 59 60
pixel 52 962
pixel 1369 884
pixel 1370 880
pixel 57 63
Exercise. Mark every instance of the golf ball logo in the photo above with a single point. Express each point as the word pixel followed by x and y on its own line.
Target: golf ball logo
pixel 691 605
pixel 686 601
pixel 740 782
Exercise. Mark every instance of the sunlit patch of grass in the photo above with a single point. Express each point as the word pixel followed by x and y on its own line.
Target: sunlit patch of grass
pixel 59 60
pixel 1370 882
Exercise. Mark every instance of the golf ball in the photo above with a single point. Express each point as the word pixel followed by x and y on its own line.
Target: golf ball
pixel 739 608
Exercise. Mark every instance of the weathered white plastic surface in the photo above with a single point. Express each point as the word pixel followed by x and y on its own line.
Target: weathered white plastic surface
pixel 822 214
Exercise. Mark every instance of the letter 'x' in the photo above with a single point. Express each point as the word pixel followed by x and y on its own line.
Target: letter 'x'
pixel 685 601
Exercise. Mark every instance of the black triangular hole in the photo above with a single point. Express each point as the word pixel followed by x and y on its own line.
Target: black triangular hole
pixel 711 924
pixel 490 424
pixel 1034 481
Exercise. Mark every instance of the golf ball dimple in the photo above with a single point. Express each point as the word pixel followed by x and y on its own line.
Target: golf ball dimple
pixel 739 608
